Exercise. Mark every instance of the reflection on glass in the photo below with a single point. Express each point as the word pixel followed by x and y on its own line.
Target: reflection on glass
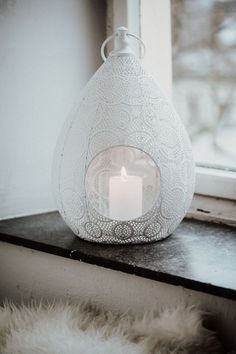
pixel 204 68
pixel 122 183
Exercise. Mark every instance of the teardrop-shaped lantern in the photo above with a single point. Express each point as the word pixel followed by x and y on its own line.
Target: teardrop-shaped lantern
pixel 123 167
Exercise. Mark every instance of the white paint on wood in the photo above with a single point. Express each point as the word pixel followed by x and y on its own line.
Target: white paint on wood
pixel 156 34
pixel 214 182
pixel 213 209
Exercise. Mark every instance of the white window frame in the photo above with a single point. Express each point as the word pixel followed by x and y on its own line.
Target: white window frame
pixel 215 192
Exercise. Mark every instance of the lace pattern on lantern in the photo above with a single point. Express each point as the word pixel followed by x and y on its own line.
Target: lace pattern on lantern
pixel 123 106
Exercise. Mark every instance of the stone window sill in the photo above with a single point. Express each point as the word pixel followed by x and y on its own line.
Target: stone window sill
pixel 198 255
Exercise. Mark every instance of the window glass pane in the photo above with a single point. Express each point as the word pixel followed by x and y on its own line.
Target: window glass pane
pixel 204 77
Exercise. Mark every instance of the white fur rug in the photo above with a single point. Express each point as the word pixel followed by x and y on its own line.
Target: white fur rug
pixel 83 329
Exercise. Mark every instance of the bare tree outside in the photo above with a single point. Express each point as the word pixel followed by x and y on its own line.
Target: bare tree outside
pixel 204 77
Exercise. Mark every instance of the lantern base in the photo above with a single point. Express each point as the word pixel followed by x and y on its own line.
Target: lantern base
pixel 122 241
pixel 150 227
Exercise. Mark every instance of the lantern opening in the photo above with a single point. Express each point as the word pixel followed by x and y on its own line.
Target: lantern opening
pixel 122 183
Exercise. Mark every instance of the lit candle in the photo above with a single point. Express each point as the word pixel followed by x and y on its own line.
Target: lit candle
pixel 125 196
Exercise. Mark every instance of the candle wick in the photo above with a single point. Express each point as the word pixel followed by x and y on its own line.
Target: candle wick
pixel 123 173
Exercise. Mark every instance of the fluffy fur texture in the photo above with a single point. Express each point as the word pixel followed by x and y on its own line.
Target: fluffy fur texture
pixel 83 329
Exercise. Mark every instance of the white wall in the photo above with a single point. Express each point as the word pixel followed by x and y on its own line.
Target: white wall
pixel 26 274
pixel 48 51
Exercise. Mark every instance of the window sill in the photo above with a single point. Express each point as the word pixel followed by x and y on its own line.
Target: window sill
pixel 198 256
pixel 213 209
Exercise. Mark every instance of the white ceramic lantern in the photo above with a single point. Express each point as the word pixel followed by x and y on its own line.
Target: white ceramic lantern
pixel 123 167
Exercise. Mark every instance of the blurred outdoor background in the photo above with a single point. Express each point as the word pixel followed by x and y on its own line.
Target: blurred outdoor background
pixel 204 77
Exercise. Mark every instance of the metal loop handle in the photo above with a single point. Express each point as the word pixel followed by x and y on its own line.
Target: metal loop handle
pixel 104 45
pixel 142 44
pixel 113 36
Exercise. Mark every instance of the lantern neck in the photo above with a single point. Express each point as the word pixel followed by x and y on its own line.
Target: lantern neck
pixel 121 43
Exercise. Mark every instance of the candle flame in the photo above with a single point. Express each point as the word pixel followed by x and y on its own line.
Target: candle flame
pixel 123 172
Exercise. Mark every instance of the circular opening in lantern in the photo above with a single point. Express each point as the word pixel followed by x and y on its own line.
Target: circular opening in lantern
pixel 122 183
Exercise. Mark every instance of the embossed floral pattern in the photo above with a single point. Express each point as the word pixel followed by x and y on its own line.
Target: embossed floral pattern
pixel 123 106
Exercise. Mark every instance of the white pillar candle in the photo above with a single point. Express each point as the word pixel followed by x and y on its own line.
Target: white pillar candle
pixel 125 196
